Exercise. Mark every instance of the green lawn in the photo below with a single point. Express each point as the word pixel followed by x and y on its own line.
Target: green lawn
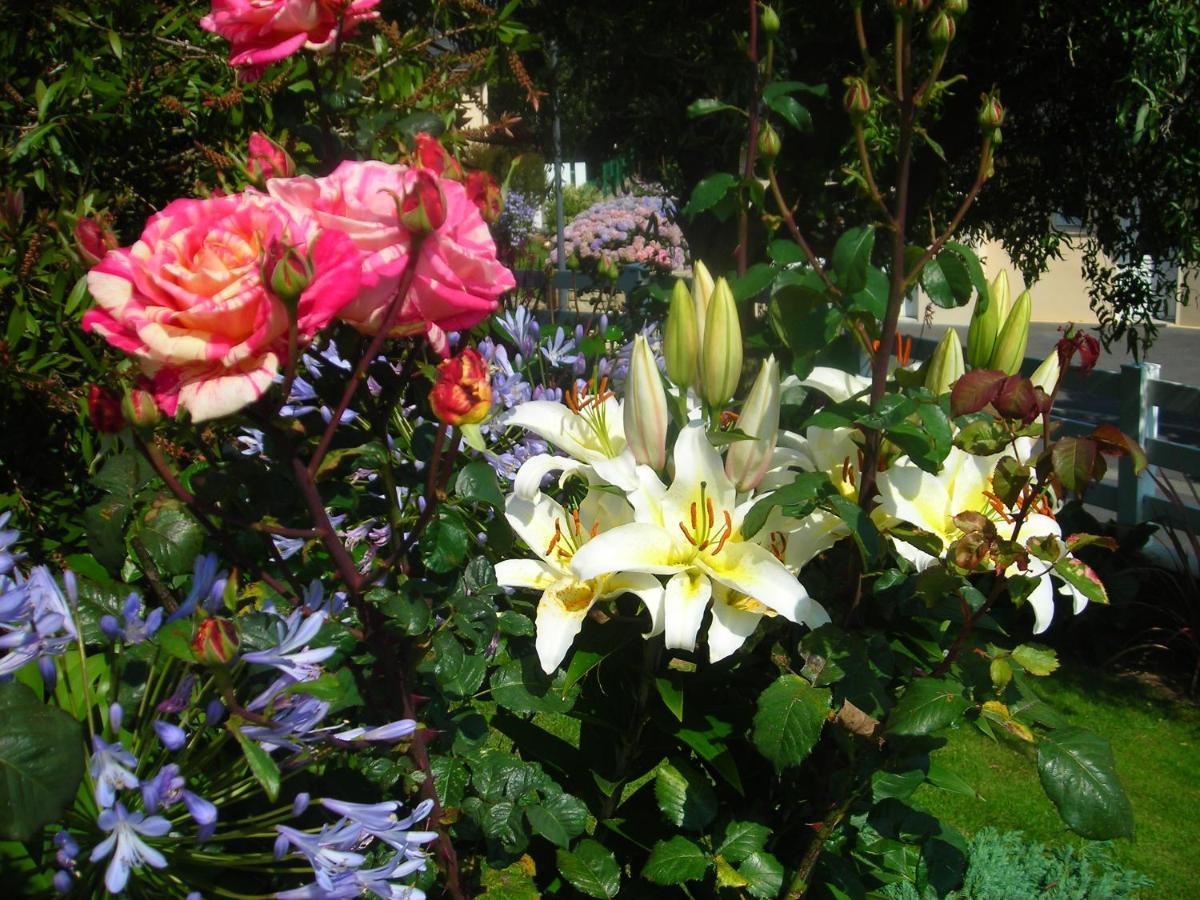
pixel 1156 743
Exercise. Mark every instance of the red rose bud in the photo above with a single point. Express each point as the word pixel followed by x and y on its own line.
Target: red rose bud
pixel 857 99
pixel 139 408
pixel 485 194
pixel 93 239
pixel 941 30
pixel 432 155
pixel 463 392
pixel 267 159
pixel 920 6
pixel 104 409
pixel 423 208
pixel 286 273
pixel 991 113
pixel 216 642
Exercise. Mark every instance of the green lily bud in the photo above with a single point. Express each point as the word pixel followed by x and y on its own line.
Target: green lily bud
pixel 1010 345
pixel 770 145
pixel 645 411
pixel 747 461
pixel 941 30
pixel 721 357
pixel 986 321
pixel 702 288
pixel 769 21
pixel 946 364
pixel 681 344
pixel 1047 374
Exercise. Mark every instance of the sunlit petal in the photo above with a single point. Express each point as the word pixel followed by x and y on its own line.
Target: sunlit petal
pixel 686 597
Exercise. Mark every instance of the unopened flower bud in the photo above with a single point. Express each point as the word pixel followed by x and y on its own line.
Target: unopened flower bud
pixel 946 364
pixel 1014 335
pixel 104 409
pixel 681 344
pixel 485 194
pixel 769 20
pixel 991 113
pixel 857 99
pixel 423 208
pixel 986 320
pixel 941 29
pixel 93 239
pixel 266 159
pixel 216 642
pixel 462 394
pixel 432 155
pixel 721 358
pixel 770 145
pixel 285 273
pixel 955 7
pixel 748 460
pixel 1047 374
pixel 920 6
pixel 702 288
pixel 645 410
pixel 12 207
pixel 140 409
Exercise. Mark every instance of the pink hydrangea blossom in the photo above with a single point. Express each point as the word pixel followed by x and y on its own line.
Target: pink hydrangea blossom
pixel 265 31
pixel 625 231
pixel 458 279
pixel 188 300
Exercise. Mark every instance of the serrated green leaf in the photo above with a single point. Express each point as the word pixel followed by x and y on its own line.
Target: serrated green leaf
pixel 1036 659
pixel 675 861
pixel 741 839
pixel 684 796
pixel 1079 775
pixel 927 705
pixel 558 819
pixel 591 869
pixel 789 719
pixel 172 537
pixel 450 779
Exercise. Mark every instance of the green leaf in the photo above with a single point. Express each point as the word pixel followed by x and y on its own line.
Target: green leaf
pixel 983 437
pixel 706 106
pixel 709 192
pixel 591 869
pixel 757 277
pixel 786 253
pixel 742 839
pixel 675 861
pixel 764 874
pixel 450 779
pixel 1078 775
pixel 927 705
pixel 558 819
pixel 511 883
pixel 943 779
pixel 124 475
pixel 779 88
pixel 41 762
pixel 873 297
pixel 971 262
pixel 792 112
pixel 798 499
pixel 1083 578
pixel 262 767
pixel 477 483
pixel 444 544
pixel 406 611
pixel 172 537
pixel 672 696
pixel 851 256
pixel 790 715
pixel 684 796
pixel 1036 659
pixel 105 523
pixel 1009 479
pixel 937 287
pixel 1077 462
pixel 862 529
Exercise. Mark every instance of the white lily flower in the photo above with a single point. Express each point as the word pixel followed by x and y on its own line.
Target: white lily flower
pixel 835 384
pixel 556 536
pixel 589 429
pixel 690 531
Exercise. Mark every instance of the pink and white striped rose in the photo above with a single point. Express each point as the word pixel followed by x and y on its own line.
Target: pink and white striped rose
pixel 265 31
pixel 458 279
pixel 188 300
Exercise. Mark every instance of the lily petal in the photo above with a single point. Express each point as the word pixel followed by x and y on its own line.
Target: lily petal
pixel 686 596
pixel 526 573
pixel 755 572
pixel 648 589
pixel 636 547
pixel 729 628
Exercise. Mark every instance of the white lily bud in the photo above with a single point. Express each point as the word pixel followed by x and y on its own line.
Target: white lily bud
pixel 681 345
pixel 721 356
pixel 702 288
pixel 1047 374
pixel 747 461
pixel 645 411
pixel 946 364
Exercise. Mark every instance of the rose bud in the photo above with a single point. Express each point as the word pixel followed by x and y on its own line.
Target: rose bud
pixel 941 30
pixel 423 208
pixel 955 7
pixel 769 20
pixel 104 409
pixel 267 159
pixel 857 99
pixel 139 408
pixel 216 642
pixel 485 194
pixel 991 113
pixel 285 273
pixel 93 240
pixel 432 155
pixel 463 392
pixel 770 145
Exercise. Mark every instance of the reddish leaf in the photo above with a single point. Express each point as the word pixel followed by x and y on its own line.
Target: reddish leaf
pixel 1112 440
pixel 1077 462
pixel 1017 399
pixel 1076 541
pixel 975 390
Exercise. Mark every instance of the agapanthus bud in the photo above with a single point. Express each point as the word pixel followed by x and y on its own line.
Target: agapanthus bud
pixel 266 159
pixel 93 239
pixel 946 364
pixel 770 145
pixel 645 410
pixel 1014 335
pixel 462 394
pixel 747 461
pixel 721 358
pixel 104 409
pixel 432 155
pixel 285 273
pixel 941 29
pixel 986 321
pixel 857 99
pixel 681 344
pixel 216 642
pixel 485 194
pixel 991 113
pixel 769 20
pixel 1047 374
pixel 423 208
pixel 139 408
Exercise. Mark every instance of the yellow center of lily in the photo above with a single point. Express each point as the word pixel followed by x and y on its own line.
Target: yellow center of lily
pixel 590 409
pixel 707 533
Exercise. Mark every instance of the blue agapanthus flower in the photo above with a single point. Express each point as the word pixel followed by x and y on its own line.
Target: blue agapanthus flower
pixel 126 846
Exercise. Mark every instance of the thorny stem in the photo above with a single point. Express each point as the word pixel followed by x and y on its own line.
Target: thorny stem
pixel 861 33
pixel 860 139
pixel 798 886
pixel 316 509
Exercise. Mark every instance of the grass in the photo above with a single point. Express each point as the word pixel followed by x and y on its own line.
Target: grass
pixel 1156 742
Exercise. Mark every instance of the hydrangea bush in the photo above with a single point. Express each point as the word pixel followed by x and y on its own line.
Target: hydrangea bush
pixel 625 231
pixel 391 592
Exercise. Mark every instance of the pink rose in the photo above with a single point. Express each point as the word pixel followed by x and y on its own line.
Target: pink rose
pixel 266 159
pixel 458 279
pixel 187 299
pixel 265 31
